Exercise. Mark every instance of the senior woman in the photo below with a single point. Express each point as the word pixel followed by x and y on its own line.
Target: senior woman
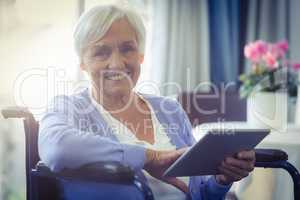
pixel 109 121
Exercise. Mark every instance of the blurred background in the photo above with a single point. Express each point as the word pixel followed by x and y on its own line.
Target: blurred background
pixel 189 42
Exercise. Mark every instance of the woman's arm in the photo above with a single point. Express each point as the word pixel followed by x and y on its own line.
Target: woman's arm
pixel 63 145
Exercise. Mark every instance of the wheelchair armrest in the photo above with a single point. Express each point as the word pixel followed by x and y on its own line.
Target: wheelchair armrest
pixel 270 155
pixel 112 172
pixel 16 112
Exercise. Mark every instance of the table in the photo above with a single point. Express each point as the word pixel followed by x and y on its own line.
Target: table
pixel 266 184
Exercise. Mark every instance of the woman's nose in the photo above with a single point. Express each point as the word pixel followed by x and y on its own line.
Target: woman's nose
pixel 116 61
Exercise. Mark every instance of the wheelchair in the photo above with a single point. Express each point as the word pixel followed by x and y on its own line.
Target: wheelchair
pixel 104 180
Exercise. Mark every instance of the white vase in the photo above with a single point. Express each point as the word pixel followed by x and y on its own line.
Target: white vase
pixel 268 110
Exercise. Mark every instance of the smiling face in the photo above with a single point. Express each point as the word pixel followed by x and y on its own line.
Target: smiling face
pixel 113 62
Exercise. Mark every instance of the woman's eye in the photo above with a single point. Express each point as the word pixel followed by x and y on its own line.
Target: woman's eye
pixel 102 53
pixel 127 49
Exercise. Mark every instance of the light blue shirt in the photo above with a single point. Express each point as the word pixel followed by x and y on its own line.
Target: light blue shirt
pixel 73 133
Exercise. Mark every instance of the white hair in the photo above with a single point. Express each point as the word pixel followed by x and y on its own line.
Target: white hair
pixel 94 23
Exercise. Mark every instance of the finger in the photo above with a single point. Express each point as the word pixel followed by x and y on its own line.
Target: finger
pixel 229 174
pixel 178 184
pixel 236 170
pixel 242 164
pixel 247 155
pixel 174 155
pixel 181 151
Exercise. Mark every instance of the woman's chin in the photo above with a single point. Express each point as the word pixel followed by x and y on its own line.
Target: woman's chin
pixel 118 90
pixel 118 87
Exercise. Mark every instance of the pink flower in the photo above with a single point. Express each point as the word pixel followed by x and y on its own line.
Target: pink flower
pixel 276 51
pixel 251 52
pixel 280 48
pixel 271 54
pixel 283 45
pixel 270 60
pixel 261 47
pixel 296 66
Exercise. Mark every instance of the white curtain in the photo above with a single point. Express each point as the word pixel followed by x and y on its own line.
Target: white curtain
pixel 179 49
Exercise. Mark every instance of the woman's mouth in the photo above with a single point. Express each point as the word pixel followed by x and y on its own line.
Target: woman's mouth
pixel 117 76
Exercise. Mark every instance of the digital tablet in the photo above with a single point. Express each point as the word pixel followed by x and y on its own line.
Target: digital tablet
pixel 204 157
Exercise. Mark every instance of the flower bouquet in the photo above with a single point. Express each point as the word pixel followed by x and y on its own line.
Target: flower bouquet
pixel 270 71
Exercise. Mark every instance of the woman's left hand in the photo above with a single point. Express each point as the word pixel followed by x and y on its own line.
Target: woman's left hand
pixel 236 168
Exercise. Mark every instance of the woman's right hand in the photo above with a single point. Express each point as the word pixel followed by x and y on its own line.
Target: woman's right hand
pixel 158 161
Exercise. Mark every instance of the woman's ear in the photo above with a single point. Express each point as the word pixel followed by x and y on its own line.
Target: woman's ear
pixel 141 58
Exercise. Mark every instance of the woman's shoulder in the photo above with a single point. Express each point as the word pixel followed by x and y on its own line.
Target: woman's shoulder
pixel 81 95
pixel 76 100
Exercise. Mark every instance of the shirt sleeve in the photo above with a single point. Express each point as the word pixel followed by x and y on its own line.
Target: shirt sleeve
pixel 201 187
pixel 63 145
